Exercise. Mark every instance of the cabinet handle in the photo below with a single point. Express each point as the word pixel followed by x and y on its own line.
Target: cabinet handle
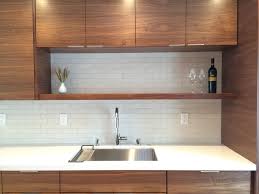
pixel 29 171
pixel 172 45
pixel 196 44
pixel 95 46
pixel 31 193
pixel 75 46
pixel 210 171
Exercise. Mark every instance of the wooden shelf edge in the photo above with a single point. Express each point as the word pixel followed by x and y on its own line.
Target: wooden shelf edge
pixel 141 49
pixel 136 96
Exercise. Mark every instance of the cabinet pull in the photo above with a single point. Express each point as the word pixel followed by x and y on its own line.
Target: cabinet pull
pixel 172 45
pixel 196 44
pixel 29 171
pixel 95 46
pixel 210 171
pixel 75 46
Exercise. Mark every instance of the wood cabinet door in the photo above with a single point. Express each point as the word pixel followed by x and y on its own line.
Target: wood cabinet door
pixel 17 182
pixel 35 193
pixel 109 193
pixel 60 23
pixel 113 181
pixel 110 23
pixel 16 50
pixel 211 22
pixel 0 183
pixel 209 183
pixel 160 23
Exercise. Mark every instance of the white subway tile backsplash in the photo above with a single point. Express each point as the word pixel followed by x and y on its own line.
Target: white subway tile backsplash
pixel 132 72
pixel 154 121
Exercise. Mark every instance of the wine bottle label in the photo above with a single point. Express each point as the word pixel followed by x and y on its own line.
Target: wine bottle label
pixel 212 79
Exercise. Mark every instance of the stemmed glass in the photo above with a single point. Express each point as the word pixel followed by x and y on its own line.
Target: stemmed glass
pixel 197 78
pixel 192 76
pixel 201 77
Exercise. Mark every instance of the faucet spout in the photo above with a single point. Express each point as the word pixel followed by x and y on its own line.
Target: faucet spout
pixel 117 124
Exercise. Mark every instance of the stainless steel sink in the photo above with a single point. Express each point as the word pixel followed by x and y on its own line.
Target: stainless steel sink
pixel 132 154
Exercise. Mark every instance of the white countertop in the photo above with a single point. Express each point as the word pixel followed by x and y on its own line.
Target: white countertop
pixel 178 158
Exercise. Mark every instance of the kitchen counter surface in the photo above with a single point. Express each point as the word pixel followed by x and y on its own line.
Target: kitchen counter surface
pixel 182 158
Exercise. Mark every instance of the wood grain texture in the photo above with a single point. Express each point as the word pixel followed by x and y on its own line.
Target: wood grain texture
pixel 60 23
pixel 240 76
pixel 132 96
pixel 1 188
pixel 256 177
pixel 211 22
pixel 111 193
pixel 42 72
pixel 16 50
pixel 17 182
pixel 209 183
pixel 110 23
pixel 113 181
pixel 32 193
pixel 160 23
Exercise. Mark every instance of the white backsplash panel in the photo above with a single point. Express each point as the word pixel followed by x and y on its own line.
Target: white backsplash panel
pixel 132 72
pixel 155 122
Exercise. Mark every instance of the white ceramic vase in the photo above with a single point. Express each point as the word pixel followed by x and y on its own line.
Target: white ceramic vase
pixel 62 89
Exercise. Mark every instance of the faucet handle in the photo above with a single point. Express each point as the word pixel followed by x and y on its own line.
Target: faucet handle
pixel 123 138
pixel 138 141
pixel 116 110
pixel 97 141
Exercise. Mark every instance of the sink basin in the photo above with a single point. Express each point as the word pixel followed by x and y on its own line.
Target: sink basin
pixel 132 154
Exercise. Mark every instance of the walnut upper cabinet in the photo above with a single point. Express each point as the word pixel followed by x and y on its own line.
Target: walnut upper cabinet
pixel 16 50
pixel 110 23
pixel 211 22
pixel 160 22
pixel 140 23
pixel 60 23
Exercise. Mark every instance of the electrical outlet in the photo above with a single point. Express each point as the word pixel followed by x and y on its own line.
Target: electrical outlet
pixel 2 119
pixel 184 119
pixel 63 119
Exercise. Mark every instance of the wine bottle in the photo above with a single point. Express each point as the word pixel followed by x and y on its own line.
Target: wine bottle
pixel 212 77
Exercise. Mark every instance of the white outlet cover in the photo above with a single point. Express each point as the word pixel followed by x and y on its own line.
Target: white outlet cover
pixel 63 119
pixel 184 119
pixel 2 119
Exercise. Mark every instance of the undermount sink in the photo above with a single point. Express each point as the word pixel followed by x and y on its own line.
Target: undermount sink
pixel 131 154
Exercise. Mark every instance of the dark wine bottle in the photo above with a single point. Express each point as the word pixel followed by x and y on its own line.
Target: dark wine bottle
pixel 212 77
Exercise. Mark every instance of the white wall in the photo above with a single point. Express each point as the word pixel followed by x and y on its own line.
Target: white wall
pixel 155 122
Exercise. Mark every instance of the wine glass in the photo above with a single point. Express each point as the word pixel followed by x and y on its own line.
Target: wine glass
pixel 201 77
pixel 192 77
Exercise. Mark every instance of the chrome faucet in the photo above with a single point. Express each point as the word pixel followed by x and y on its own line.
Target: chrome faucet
pixel 117 122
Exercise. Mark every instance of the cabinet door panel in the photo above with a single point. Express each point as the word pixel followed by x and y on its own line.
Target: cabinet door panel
pixel 160 23
pixel 212 183
pixel 16 50
pixel 34 193
pixel 60 23
pixel 212 22
pixel 111 193
pixel 113 181
pixel 15 182
pixel 0 183
pixel 110 23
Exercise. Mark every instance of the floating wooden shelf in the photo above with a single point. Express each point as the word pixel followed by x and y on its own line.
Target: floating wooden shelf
pixel 136 96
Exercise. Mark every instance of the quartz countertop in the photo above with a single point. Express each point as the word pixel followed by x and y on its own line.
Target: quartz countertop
pixel 175 158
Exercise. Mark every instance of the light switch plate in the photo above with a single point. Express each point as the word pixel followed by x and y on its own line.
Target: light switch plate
pixel 184 119
pixel 63 119
pixel 2 119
